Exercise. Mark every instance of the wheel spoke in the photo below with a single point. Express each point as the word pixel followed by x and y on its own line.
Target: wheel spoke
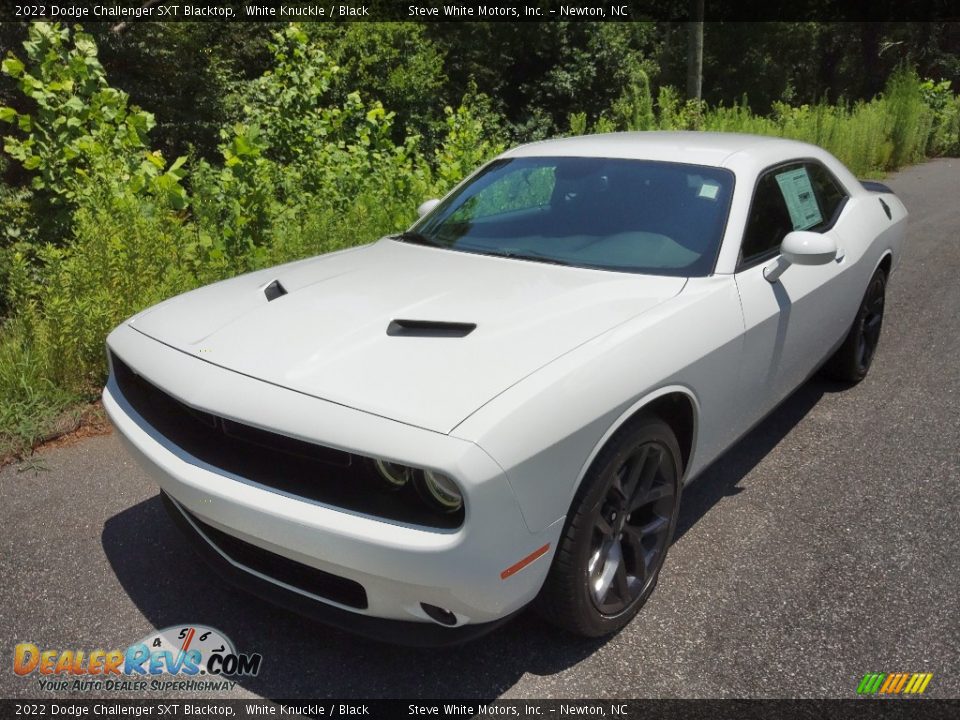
pixel 598 558
pixel 632 542
pixel 871 330
pixel 622 583
pixel 644 559
pixel 604 579
pixel 657 492
pixel 634 470
pixel 648 473
pixel 604 526
pixel 654 527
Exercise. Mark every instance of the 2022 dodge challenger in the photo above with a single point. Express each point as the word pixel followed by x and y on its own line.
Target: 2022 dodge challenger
pixel 416 438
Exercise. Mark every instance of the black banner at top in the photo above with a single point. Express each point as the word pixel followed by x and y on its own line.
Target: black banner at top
pixel 473 11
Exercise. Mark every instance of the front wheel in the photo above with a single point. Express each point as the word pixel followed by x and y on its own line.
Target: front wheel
pixel 617 533
pixel 852 360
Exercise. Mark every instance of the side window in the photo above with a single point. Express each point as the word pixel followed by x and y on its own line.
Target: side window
pixel 798 196
pixel 829 192
pixel 769 220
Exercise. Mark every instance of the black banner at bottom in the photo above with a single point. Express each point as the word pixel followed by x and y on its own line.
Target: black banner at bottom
pixel 445 709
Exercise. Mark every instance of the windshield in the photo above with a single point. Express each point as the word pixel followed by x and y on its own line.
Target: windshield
pixel 628 215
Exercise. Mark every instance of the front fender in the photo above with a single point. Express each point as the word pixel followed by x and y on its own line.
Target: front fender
pixel 546 430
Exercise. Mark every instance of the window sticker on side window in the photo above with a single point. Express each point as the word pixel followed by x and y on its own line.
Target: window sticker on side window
pixel 801 202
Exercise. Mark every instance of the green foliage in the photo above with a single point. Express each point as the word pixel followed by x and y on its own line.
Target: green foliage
pixel 32 402
pixel 469 141
pixel 939 98
pixel 80 128
pixel 393 63
pixel 907 122
pixel 185 73
pixel 537 74
pixel 313 159
pixel 316 155
pixel 120 259
pixel 633 110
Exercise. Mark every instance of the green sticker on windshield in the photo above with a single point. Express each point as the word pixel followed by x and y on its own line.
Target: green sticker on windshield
pixel 801 202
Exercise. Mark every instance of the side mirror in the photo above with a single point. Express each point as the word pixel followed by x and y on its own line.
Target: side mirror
pixel 801 248
pixel 426 206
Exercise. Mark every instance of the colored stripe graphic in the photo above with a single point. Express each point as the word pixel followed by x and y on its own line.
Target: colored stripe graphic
pixel 870 683
pixel 901 682
pixel 890 681
pixel 894 683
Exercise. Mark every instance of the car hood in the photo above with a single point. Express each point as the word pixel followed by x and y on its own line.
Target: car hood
pixel 327 335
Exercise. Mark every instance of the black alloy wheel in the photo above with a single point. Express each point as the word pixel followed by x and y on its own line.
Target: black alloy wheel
pixel 870 320
pixel 617 533
pixel 631 527
pixel 852 360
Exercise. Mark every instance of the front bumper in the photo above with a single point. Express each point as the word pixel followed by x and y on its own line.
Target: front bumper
pixel 403 632
pixel 399 566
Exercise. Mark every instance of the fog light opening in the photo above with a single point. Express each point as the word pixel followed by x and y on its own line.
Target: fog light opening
pixel 439 615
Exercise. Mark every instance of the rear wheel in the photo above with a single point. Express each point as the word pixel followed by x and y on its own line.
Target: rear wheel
pixel 851 362
pixel 618 532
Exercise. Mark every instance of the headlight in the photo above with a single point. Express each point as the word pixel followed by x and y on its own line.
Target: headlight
pixel 395 475
pixel 438 490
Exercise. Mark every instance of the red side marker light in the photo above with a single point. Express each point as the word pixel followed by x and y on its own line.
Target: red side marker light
pixel 517 567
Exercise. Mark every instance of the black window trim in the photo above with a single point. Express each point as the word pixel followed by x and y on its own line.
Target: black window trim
pixel 774 252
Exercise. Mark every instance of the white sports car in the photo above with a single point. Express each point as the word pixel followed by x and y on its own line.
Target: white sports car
pixel 416 438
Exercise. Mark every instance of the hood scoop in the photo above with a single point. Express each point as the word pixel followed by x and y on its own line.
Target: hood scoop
pixel 274 290
pixel 429 328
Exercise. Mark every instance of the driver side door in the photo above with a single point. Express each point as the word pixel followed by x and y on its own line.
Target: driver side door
pixel 792 324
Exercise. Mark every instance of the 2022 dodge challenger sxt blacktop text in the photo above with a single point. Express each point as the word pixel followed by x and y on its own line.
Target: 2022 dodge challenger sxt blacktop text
pixel 416 438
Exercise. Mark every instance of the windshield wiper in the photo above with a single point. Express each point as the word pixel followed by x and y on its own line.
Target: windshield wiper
pixel 416 238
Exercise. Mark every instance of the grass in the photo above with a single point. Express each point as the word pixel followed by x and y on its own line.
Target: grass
pixel 32 404
pixel 910 120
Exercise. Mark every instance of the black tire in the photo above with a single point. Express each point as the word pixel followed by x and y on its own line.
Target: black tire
pixel 617 533
pixel 851 362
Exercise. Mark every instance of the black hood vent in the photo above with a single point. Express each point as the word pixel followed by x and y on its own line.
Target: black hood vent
pixel 429 328
pixel 274 290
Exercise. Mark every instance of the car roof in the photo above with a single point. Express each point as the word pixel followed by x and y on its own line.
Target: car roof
pixel 700 148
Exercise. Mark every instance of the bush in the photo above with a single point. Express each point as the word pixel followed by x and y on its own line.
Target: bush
pixel 107 227
pixel 81 130
pixel 907 122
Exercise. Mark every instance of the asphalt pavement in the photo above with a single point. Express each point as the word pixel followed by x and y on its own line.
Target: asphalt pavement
pixel 824 545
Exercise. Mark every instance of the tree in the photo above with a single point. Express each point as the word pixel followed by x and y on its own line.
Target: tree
pixel 540 73
pixel 695 51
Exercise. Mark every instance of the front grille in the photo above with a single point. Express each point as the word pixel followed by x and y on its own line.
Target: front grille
pixel 295 574
pixel 273 460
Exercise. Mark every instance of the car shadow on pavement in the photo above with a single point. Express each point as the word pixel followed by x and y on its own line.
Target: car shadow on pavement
pixel 722 478
pixel 170 585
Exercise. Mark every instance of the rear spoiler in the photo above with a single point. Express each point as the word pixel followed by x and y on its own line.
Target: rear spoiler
pixel 877 187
